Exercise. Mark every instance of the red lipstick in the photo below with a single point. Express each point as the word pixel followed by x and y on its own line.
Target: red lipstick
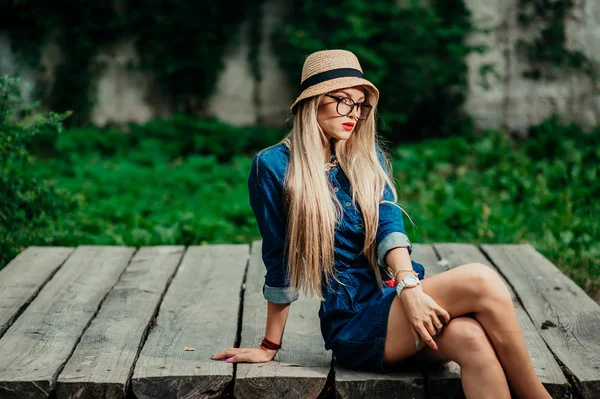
pixel 348 126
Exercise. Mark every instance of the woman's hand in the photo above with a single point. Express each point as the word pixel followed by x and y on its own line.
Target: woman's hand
pixel 249 355
pixel 426 317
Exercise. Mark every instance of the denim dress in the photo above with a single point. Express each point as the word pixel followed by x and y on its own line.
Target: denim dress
pixel 353 315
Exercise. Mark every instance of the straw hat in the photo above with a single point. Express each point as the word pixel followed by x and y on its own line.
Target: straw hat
pixel 329 70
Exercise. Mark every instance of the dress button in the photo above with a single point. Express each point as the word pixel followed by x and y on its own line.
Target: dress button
pixel 336 189
pixel 360 226
pixel 348 204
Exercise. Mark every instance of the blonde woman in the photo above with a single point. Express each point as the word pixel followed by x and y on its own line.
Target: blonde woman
pixel 327 210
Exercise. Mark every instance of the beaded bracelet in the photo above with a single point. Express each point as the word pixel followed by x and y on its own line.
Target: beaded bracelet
pixel 269 344
pixel 402 270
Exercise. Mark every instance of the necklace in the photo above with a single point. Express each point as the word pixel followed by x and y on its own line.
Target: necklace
pixel 328 165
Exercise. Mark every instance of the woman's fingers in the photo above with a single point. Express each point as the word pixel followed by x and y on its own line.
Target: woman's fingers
pixel 243 357
pixel 230 352
pixel 429 326
pixel 250 355
pixel 438 324
pixel 416 336
pixel 445 315
pixel 426 336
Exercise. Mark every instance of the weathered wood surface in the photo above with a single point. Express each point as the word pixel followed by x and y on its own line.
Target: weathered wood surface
pixel 301 367
pixel 39 343
pixel 566 318
pixel 24 277
pixel 102 364
pixel 543 361
pixel 199 311
pixel 396 384
pixel 91 311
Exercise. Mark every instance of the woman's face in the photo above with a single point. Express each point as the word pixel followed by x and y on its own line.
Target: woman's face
pixel 334 125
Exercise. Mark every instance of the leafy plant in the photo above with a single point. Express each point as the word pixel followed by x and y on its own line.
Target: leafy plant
pixel 28 205
pixel 415 54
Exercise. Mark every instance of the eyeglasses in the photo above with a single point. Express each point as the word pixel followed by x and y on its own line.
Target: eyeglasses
pixel 345 105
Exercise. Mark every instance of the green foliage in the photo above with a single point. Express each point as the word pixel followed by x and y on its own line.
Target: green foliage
pixel 414 54
pixel 145 188
pixel 549 45
pixel 180 41
pixel 122 201
pixel 541 190
pixel 28 205
pixel 159 141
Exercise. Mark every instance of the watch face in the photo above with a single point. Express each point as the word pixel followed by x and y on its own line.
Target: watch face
pixel 411 280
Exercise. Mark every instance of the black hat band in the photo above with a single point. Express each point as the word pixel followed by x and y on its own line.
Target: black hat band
pixel 331 74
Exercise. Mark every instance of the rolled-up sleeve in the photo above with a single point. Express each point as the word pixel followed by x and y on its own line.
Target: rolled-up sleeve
pixel 390 229
pixel 265 194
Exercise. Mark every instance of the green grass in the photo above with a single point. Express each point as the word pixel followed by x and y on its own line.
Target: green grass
pixel 139 191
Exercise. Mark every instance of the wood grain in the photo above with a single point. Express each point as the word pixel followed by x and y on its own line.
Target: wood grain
pixel 39 343
pixel 301 367
pixel 544 363
pixel 200 311
pixel 103 361
pixel 566 318
pixel 23 278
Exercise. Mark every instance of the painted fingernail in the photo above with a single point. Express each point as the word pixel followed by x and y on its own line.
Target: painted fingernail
pixel 230 360
pixel 417 344
pixel 212 356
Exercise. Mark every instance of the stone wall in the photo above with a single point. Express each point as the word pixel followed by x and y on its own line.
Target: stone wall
pixel 511 102
pixel 514 102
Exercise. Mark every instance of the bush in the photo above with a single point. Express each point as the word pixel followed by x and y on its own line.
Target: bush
pixel 415 54
pixel 160 140
pixel 541 191
pixel 28 205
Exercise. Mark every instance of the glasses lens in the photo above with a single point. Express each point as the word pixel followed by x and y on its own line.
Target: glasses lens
pixel 365 109
pixel 345 106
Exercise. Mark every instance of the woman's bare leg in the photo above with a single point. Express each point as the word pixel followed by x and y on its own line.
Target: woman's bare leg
pixel 476 289
pixel 464 341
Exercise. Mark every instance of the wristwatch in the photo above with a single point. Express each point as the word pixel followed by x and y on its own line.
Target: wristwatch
pixel 407 282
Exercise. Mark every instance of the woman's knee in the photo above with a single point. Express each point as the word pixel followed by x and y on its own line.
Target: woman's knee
pixel 487 283
pixel 466 340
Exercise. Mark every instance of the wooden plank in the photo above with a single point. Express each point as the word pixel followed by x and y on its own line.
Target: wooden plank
pixel 544 363
pixel 103 361
pixel 566 318
pixel 199 311
pixel 351 384
pixel 23 278
pixel 407 382
pixel 300 368
pixel 37 346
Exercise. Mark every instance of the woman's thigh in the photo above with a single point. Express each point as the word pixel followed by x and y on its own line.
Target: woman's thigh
pixel 459 291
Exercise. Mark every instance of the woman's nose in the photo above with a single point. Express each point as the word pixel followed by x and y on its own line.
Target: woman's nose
pixel 355 112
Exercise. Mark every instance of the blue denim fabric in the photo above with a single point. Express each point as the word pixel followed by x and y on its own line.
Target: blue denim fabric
pixel 354 313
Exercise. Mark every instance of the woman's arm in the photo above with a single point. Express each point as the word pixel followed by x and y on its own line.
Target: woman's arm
pixel 265 192
pixel 277 315
pixel 276 318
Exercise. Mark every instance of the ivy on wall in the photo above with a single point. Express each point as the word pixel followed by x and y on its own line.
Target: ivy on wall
pixel 414 53
pixel 182 42
pixel 549 47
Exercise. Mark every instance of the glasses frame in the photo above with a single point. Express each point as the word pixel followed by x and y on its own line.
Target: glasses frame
pixel 354 104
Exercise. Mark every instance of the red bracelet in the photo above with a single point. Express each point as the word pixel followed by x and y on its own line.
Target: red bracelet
pixel 269 344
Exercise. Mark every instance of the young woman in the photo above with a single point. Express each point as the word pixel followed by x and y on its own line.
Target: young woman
pixel 326 207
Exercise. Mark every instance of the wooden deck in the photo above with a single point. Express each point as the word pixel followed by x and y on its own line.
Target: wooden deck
pixel 114 322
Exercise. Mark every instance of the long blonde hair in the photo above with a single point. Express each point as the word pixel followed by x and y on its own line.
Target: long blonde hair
pixel 311 206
